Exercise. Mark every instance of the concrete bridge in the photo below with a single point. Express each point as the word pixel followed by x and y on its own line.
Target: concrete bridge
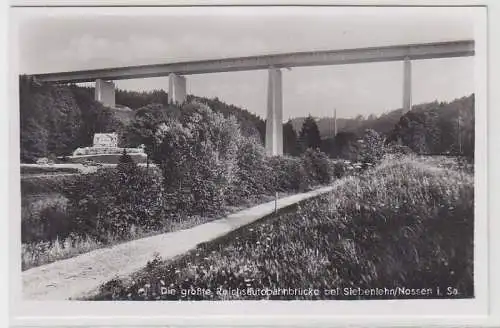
pixel 105 89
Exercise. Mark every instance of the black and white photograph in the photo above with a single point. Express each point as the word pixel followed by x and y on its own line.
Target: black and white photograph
pixel 249 154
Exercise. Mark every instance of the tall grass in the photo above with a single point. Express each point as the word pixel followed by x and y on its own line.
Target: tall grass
pixel 405 223
pixel 38 253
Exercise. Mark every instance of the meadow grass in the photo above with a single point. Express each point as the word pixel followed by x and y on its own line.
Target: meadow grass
pixel 35 254
pixel 406 223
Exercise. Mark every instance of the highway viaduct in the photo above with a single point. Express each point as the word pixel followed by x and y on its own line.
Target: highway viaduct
pixel 177 72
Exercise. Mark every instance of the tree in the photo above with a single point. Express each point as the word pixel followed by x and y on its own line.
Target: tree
pixel 49 119
pixel 126 164
pixel 328 146
pixel 346 146
pixel 145 123
pixel 437 128
pixel 33 141
pixel 250 124
pixel 95 118
pixel 290 145
pixel 309 134
pixel 411 131
pixel 197 154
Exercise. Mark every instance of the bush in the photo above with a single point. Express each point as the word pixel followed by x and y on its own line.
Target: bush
pixel 254 175
pixel 289 174
pixel 317 165
pixel 126 164
pixel 46 184
pixel 44 218
pixel 300 174
pixel 372 147
pixel 198 158
pixel 108 203
pixel 340 168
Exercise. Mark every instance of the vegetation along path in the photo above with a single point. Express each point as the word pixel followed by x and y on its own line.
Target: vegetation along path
pixel 71 278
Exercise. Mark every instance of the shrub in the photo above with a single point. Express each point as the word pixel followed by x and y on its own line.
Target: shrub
pixel 107 203
pixel 340 168
pixel 372 147
pixel 126 164
pixel 44 218
pixel 289 174
pixel 254 176
pixel 46 184
pixel 317 164
pixel 198 158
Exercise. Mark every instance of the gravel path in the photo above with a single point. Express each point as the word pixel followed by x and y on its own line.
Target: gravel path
pixel 77 276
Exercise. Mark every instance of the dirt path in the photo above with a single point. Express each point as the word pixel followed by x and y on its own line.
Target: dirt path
pixel 74 277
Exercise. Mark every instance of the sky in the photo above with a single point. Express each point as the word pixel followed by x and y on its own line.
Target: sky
pixel 65 39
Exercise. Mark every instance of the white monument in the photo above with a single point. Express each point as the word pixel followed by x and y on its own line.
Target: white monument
pixel 105 145
pixel 106 140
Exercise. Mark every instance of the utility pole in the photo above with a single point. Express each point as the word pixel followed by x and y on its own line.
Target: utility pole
pixel 335 122
pixel 459 135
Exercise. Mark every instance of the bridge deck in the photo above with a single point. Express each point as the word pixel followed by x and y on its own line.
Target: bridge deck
pixel 313 58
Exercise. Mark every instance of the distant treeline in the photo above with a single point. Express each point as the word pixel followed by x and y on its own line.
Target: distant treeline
pixel 56 119
pixel 429 128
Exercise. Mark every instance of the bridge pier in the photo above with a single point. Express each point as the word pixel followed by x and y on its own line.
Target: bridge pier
pixel 105 92
pixel 176 89
pixel 274 121
pixel 407 85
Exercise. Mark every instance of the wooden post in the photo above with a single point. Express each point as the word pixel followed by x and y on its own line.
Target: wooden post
pixel 276 203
